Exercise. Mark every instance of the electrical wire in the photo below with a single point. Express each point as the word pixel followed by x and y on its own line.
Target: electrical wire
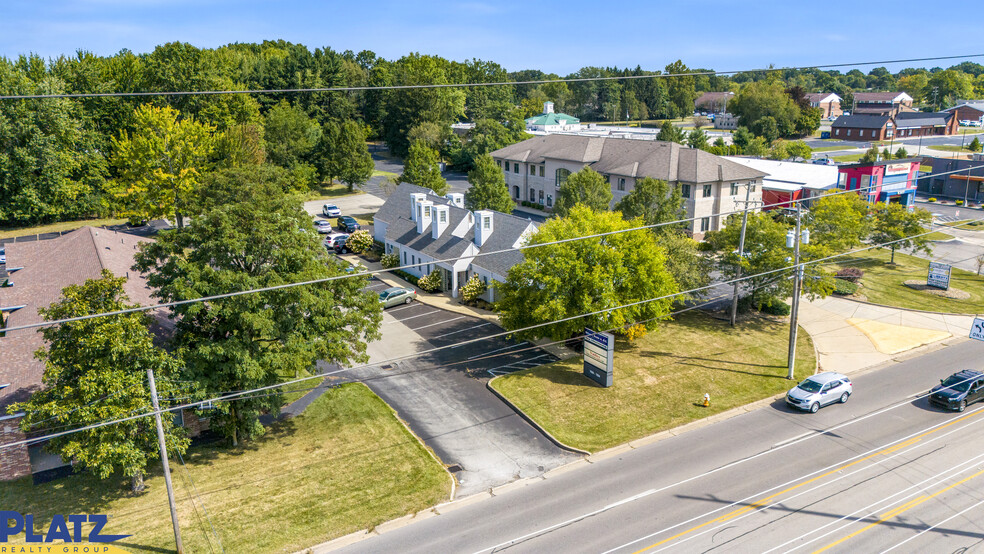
pixel 210 298
pixel 478 84
pixel 204 509
pixel 236 395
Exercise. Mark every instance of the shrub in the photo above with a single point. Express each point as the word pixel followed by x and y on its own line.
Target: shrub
pixel 932 200
pixel 359 241
pixel 775 307
pixel 474 288
pixel 633 332
pixel 412 279
pixel 844 288
pixel 390 260
pixel 430 283
pixel 852 274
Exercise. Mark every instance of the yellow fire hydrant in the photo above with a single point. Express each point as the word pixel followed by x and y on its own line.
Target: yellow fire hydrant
pixel 707 400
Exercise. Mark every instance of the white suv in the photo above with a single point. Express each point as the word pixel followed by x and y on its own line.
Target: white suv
pixel 820 390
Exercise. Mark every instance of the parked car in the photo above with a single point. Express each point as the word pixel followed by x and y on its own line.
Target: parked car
pixel 348 224
pixel 396 295
pixel 330 210
pixel 824 161
pixel 333 239
pixel 965 122
pixel 323 226
pixel 340 246
pixel 958 390
pixel 820 390
pixel 3 255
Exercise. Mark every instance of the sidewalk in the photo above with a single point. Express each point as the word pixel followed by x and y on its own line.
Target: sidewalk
pixel 850 336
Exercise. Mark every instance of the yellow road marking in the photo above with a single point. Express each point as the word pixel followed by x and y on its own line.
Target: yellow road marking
pixel 763 501
pixel 892 513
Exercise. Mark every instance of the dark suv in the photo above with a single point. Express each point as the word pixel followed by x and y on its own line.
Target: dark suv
pixel 348 224
pixel 958 390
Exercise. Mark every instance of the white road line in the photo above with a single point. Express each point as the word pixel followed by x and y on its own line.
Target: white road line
pixel 395 320
pixel 438 323
pixel 907 401
pixel 410 305
pixel 780 443
pixel 497 350
pixel 928 529
pixel 462 330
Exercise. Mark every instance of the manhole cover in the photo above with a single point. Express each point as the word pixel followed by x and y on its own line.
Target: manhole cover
pixel 454 468
pixel 387 366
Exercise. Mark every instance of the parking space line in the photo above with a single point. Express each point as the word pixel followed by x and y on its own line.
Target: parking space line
pixel 497 350
pixel 463 330
pixel 411 305
pixel 414 316
pixel 438 323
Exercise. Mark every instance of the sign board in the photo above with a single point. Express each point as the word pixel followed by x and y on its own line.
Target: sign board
pixel 896 169
pixel 599 356
pixel 939 276
pixel 977 329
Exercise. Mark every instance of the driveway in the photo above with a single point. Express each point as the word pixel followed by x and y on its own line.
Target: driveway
pixel 444 399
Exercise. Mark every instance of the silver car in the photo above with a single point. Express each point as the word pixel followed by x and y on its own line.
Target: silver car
pixel 396 295
pixel 819 390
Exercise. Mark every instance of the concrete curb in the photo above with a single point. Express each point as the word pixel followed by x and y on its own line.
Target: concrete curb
pixel 530 420
pixel 904 309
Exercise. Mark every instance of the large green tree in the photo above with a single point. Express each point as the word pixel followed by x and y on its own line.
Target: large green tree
pixel 587 187
pixel 580 277
pixel 96 370
pixel 405 109
pixel 290 136
pixel 421 168
pixel 670 133
pixel 258 238
pixel 901 227
pixel 654 201
pixel 351 156
pixel 161 163
pixel 488 190
pixel 839 221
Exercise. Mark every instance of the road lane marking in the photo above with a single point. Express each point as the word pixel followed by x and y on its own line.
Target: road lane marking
pixel 438 323
pixel 497 350
pixel 930 528
pixel 903 508
pixel 797 437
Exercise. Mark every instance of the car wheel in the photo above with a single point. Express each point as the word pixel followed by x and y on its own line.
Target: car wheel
pixel 962 406
pixel 844 398
pixel 408 300
pixel 814 407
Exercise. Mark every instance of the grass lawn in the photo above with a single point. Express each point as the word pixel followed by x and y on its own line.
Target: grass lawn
pixel 966 225
pixel 926 168
pixel 363 219
pixel 378 173
pixel 848 158
pixel 948 148
pixel 53 227
pixel 344 465
pixel 660 380
pixel 936 235
pixel 327 192
pixel 884 283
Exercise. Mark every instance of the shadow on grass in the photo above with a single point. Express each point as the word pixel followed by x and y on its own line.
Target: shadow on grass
pixel 691 360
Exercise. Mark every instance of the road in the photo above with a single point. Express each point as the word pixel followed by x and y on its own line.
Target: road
pixel 859 477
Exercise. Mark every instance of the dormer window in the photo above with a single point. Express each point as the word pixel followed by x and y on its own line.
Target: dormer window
pixel 427 211
pixel 486 222
pixel 442 216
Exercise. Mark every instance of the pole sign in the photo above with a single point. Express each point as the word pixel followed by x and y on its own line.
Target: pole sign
pixel 939 276
pixel 599 356
pixel 977 329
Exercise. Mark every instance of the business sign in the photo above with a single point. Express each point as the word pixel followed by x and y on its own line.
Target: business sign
pixel 67 529
pixel 896 169
pixel 977 329
pixel 599 356
pixel 939 276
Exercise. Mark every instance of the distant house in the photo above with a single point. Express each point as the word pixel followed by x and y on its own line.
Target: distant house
pixel 550 122
pixel 881 103
pixel 787 182
pixel 921 124
pixel 726 121
pixel 713 102
pixel 710 185
pixel 425 230
pixel 864 127
pixel 828 102
pixel 969 110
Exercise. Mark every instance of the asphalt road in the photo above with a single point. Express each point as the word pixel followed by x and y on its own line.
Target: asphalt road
pixel 858 477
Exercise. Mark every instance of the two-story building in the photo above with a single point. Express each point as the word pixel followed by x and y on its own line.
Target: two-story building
pixel 828 102
pixel 885 181
pixel 881 103
pixel 711 185
pixel 431 232
pixel 713 102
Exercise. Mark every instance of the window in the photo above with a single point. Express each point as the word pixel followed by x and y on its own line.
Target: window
pixel 621 183
pixel 442 216
pixel 707 191
pixel 427 211
pixel 753 186
pixel 532 195
pixel 848 132
pixel 549 200
pixel 486 222
pixel 515 167
pixel 842 181
pixel 498 163
pixel 541 171
pixel 685 191
pixel 541 197
pixel 837 132
pixel 734 189
pixel 560 177
pixel 705 224
pixel 516 192
pixel 404 258
pixel 532 170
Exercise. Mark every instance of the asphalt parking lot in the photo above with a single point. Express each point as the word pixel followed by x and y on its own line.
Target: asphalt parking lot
pixel 444 399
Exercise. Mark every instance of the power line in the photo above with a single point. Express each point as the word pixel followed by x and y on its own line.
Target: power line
pixel 236 395
pixel 479 84
pixel 175 303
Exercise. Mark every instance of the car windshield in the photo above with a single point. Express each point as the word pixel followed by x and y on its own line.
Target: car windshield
pixel 959 384
pixel 810 386
pixel 383 295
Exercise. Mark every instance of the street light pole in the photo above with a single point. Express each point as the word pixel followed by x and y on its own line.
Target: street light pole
pixel 797 283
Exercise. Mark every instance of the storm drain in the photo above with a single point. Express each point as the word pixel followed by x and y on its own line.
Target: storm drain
pixel 387 366
pixel 454 468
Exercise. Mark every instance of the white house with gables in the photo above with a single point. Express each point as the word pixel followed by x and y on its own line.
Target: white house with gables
pixel 551 122
pixel 436 232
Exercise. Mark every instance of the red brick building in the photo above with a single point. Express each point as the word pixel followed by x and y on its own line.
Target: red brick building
pixel 862 127
pixel 713 102
pixel 828 102
pixel 968 111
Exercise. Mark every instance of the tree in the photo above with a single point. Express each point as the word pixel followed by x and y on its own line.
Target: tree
pixel 585 187
pixel 670 133
pixel 559 281
pixel 690 268
pixel 653 201
pixel 161 163
pixel 756 147
pixel 421 168
pixel 701 121
pixel 488 190
pixel 778 150
pixel 681 91
pixel 350 156
pixel 697 139
pixel 975 145
pixel 322 156
pixel 767 99
pixel 799 149
pixel 741 137
pixel 871 156
pixel 258 238
pixel 96 370
pixel 290 135
pixel 949 85
pixel 902 153
pixel 894 223
pixel 405 109
pixel 839 221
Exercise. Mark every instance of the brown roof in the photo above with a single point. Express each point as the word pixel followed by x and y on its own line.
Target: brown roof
pixel 630 157
pixel 713 98
pixel 818 96
pixel 48 267
pixel 878 96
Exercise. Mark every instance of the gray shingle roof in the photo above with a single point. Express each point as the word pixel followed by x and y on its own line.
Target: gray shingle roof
pixel 861 121
pixel 921 119
pixel 398 203
pixel 632 158
pixel 506 230
pixel 404 231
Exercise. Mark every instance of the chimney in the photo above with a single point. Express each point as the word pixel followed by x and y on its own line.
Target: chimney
pixel 483 226
pixel 456 198
pixel 414 199
pixel 424 208
pixel 440 215
pixel 548 107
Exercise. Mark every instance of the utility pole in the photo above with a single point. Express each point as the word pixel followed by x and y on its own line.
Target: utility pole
pixel 741 253
pixel 797 284
pixel 167 469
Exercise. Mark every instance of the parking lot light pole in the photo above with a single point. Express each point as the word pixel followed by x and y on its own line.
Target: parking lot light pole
pixel 793 241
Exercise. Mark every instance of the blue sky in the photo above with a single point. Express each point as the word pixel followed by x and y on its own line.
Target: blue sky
pixel 554 36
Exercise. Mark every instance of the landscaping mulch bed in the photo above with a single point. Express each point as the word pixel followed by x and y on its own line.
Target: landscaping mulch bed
pixel 955 294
